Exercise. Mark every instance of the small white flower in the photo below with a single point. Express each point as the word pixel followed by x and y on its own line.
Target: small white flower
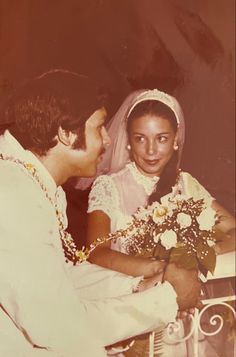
pixel 156 238
pixel 168 239
pixel 206 219
pixel 165 200
pixel 142 213
pixel 210 242
pixel 184 220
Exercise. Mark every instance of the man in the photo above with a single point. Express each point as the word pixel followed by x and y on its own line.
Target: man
pixel 53 130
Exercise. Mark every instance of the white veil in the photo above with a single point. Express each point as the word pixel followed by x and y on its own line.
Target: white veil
pixel 117 155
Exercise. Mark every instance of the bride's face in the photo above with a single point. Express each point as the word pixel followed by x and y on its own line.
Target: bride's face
pixel 152 140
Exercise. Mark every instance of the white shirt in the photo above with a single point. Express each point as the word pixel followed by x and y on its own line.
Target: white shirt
pixel 69 311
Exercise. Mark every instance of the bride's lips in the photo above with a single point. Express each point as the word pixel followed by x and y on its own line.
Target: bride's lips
pixel 152 162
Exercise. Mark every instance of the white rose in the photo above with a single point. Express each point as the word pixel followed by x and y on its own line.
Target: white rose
pixel 211 243
pixel 168 239
pixel 206 219
pixel 184 220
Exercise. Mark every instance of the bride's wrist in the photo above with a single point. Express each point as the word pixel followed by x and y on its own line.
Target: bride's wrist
pixel 148 283
pixel 158 267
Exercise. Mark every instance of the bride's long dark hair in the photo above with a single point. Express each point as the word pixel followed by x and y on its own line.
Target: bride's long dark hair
pixel 169 174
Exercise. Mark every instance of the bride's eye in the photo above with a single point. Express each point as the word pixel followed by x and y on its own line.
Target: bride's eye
pixel 139 139
pixel 162 138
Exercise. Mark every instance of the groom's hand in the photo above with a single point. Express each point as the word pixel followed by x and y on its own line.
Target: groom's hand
pixel 186 284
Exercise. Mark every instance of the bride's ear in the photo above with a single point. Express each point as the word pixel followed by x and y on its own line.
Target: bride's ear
pixel 66 137
pixel 176 146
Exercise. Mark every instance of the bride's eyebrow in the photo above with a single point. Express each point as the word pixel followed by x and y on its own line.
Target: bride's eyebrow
pixel 144 134
pixel 164 133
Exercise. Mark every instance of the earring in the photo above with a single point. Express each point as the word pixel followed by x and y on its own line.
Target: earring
pixel 175 147
pixel 128 147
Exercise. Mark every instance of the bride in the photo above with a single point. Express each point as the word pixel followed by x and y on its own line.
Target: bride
pixel 142 165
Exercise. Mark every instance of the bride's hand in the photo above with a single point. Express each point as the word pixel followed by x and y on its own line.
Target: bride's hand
pixel 153 267
pixel 150 282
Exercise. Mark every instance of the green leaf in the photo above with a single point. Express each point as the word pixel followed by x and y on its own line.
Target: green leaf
pixel 181 257
pixel 202 249
pixel 206 256
pixel 208 260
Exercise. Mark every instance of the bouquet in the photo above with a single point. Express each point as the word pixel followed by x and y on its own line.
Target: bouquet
pixel 179 230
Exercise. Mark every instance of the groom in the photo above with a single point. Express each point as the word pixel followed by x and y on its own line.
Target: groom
pixel 53 129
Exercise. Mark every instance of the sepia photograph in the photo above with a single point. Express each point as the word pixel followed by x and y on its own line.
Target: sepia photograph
pixel 117 178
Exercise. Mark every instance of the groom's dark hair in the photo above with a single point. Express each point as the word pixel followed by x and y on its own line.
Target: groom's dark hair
pixel 40 106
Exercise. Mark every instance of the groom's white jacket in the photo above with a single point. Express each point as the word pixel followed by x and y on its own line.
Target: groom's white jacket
pixel 49 307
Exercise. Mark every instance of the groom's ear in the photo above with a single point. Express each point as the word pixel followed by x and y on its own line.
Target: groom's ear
pixel 66 137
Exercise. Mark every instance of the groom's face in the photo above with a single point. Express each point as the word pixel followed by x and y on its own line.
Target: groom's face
pixel 96 141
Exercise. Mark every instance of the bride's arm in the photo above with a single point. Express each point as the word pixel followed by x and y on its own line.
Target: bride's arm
pixel 227 226
pixel 227 221
pixel 99 226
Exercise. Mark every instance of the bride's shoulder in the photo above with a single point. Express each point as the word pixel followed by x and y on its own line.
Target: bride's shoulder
pixel 187 178
pixel 102 180
pixel 122 172
pixel 104 183
pixel 192 187
pixel 184 175
pixel 110 181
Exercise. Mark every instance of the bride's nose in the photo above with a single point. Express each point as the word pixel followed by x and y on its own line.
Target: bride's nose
pixel 151 147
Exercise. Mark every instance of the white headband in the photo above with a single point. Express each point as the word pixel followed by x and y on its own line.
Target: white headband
pixel 162 97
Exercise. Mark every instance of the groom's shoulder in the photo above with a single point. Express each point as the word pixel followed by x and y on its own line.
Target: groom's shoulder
pixel 13 178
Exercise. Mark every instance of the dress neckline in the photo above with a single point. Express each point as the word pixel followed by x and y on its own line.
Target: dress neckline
pixel 147 182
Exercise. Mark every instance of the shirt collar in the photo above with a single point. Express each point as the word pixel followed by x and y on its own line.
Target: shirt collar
pixel 11 147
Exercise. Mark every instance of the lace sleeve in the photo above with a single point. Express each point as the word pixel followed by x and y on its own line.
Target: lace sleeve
pixel 103 196
pixel 194 189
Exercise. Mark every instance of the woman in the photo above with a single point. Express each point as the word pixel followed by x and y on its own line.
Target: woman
pixel 143 164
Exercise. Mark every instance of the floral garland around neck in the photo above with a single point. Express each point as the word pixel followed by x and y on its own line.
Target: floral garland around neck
pixel 147 182
pixel 71 252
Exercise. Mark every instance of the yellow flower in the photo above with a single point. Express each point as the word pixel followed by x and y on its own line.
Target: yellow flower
pixel 82 255
pixel 29 166
pixel 159 214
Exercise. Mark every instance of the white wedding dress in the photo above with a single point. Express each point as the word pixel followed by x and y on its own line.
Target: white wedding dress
pixel 119 195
